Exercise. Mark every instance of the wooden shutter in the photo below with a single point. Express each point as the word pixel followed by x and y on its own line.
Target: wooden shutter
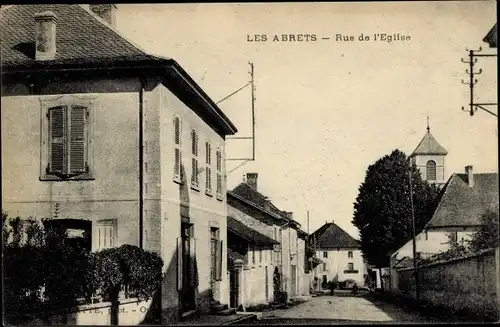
pixel 177 130
pixel 179 264
pixel 177 150
pixel 77 143
pixel 57 125
pixel 193 265
pixel 218 260
pixel 208 176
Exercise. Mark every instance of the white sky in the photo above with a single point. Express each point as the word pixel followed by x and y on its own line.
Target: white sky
pixel 326 110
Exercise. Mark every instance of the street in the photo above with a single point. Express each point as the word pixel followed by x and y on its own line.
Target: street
pixel 341 310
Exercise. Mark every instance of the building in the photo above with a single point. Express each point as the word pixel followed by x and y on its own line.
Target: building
pixel 340 253
pixel 285 230
pixel 251 279
pixel 429 157
pixel 463 200
pixel 99 131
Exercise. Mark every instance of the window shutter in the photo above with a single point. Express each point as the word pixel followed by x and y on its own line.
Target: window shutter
pixel 57 119
pixel 218 271
pixel 208 176
pixel 179 264
pixel 177 163
pixel 77 157
pixel 177 130
pixel 192 260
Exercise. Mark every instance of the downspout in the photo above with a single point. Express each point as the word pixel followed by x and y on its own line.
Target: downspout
pixel 141 164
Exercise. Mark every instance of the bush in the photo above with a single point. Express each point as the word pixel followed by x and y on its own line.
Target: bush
pixel 44 273
pixel 281 297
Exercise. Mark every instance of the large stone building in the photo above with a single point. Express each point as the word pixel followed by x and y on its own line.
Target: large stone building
pixel 99 131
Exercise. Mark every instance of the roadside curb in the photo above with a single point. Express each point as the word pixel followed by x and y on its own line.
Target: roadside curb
pixel 244 317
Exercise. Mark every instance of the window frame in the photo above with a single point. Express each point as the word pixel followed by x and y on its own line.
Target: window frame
pixel 325 254
pixel 350 254
pixel 105 223
pixel 195 161
pixel 208 168
pixel 350 266
pixel 48 102
pixel 218 172
pixel 177 176
pixel 433 165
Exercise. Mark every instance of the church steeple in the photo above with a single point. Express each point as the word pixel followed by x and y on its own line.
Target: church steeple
pixel 429 157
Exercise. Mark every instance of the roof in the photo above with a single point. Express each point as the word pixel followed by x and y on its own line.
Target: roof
pixel 249 234
pixel 234 255
pixel 249 193
pixel 463 206
pixel 81 35
pixel 270 217
pixel 491 37
pixel 331 236
pixel 85 41
pixel 429 145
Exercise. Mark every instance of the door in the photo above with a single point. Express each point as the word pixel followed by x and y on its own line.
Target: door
pixel 267 283
pixel 234 288
pixel 188 269
pixel 293 279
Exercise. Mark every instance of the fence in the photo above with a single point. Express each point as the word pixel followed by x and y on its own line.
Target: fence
pixel 467 284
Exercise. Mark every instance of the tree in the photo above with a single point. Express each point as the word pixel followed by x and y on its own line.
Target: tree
pixel 487 235
pixel 382 211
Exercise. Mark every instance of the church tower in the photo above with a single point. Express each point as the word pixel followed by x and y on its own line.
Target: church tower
pixel 429 157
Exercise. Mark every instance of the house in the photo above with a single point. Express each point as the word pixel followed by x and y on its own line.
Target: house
pixel 429 157
pixel 340 253
pixel 463 200
pixel 491 37
pixel 284 228
pixel 251 279
pixel 101 132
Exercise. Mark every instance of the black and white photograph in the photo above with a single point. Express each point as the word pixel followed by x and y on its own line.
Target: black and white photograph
pixel 266 163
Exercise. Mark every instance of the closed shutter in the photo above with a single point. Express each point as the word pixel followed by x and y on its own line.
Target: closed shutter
pixel 179 263
pixel 218 255
pixel 177 151
pixel 77 153
pixel 208 176
pixel 57 119
pixel 193 266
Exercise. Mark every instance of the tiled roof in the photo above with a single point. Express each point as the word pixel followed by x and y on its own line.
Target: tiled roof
pixel 429 145
pixel 81 37
pixel 251 235
pixel 331 236
pixel 461 205
pixel 491 37
pixel 249 193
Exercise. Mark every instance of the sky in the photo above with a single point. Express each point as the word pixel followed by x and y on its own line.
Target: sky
pixel 327 109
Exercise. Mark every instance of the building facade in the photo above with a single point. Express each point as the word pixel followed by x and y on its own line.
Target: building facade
pixel 122 140
pixel 340 254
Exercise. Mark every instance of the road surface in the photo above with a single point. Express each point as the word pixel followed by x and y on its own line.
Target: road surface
pixel 342 310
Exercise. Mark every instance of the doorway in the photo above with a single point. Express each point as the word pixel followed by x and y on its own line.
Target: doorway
pixel 187 294
pixel 293 280
pixel 214 241
pixel 234 288
pixel 267 283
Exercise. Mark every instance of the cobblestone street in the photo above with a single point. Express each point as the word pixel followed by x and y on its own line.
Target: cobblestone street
pixel 340 310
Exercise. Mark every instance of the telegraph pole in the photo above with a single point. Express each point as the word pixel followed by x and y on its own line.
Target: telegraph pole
pixel 415 266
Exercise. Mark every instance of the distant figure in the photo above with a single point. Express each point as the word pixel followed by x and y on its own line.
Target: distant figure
pixel 355 288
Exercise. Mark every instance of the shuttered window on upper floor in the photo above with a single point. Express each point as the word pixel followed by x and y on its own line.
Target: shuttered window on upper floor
pixel 219 173
pixel 208 168
pixel 68 141
pixel 194 159
pixel 177 149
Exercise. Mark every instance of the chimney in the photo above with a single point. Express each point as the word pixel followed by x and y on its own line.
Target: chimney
pixel 470 175
pixel 106 12
pixel 289 214
pixel 267 204
pixel 252 180
pixel 45 35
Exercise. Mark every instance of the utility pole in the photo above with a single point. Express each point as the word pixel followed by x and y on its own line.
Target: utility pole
pixel 415 266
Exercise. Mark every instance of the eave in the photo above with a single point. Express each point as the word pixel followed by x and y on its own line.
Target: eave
pixel 142 68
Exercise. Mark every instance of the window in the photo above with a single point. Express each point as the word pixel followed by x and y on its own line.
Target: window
pixel 325 254
pixel 177 150
pixel 66 138
pixel 106 234
pixel 219 173
pixel 431 170
pixel 324 266
pixel 208 168
pixel 194 159
pixel 453 237
pixel 350 266
pixel 260 256
pixel 253 255
pixel 426 236
pixel 349 254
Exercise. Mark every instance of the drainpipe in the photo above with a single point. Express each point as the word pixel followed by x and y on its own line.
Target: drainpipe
pixel 141 163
